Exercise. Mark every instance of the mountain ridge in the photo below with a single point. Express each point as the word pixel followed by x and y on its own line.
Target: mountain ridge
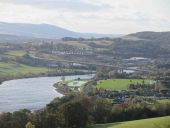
pixel 44 31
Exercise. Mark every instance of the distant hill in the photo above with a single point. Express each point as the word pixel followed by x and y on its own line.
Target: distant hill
pixel 5 38
pixel 44 31
pixel 145 44
pixel 154 37
pixel 149 35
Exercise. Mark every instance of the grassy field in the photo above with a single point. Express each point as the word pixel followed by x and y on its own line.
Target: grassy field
pixel 13 54
pixel 118 84
pixel 160 122
pixel 164 101
pixel 15 69
pixel 16 53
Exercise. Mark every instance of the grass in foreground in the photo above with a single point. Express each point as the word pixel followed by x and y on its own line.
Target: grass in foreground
pixel 160 122
pixel 118 84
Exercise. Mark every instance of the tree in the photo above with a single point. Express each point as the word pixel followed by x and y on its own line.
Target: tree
pixel 102 73
pixel 29 125
pixel 102 111
pixel 75 115
pixel 20 118
pixel 6 120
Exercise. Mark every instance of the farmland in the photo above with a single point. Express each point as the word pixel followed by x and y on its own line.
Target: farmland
pixel 11 67
pixel 161 122
pixel 119 84
pixel 164 101
pixel 16 69
pixel 17 53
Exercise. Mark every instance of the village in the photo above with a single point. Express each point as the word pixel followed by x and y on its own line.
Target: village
pixel 123 96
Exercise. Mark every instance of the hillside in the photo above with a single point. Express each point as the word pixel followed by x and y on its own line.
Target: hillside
pixel 149 35
pixel 145 44
pixel 43 31
pixel 160 122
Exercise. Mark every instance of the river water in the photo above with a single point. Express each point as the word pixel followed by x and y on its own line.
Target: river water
pixel 30 93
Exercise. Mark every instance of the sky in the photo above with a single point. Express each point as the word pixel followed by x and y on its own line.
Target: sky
pixel 92 16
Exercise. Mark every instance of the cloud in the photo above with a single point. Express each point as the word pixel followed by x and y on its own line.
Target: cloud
pixel 71 5
pixel 99 16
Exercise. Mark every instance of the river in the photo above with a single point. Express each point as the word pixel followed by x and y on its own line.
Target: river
pixel 30 93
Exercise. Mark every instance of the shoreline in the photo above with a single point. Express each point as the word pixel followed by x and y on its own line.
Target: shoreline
pixel 58 89
pixel 63 89
pixel 3 79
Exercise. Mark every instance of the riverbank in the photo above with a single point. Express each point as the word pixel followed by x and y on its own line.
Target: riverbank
pixel 64 89
pixel 6 78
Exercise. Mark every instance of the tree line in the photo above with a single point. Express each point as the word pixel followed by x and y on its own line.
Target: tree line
pixel 79 110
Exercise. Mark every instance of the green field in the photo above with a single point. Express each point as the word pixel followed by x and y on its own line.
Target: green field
pixel 15 69
pixel 160 122
pixel 16 53
pixel 164 101
pixel 13 54
pixel 118 84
